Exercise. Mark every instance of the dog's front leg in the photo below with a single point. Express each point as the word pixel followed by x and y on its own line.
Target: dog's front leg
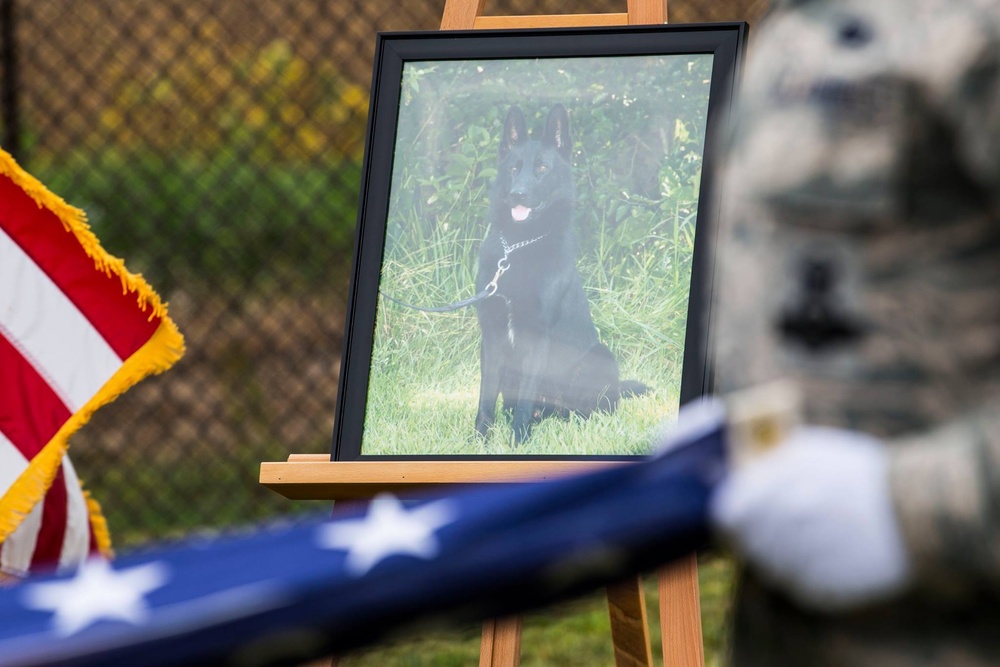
pixel 534 360
pixel 490 369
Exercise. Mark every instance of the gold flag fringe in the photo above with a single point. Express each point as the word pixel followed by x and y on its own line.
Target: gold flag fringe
pixel 158 354
pixel 75 221
pixel 99 525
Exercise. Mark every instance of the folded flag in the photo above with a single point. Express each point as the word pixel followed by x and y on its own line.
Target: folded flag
pixel 299 592
pixel 76 330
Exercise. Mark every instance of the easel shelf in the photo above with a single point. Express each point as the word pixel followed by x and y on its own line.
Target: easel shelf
pixel 316 477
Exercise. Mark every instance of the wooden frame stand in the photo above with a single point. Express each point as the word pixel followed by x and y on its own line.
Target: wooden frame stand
pixel 468 15
pixel 316 477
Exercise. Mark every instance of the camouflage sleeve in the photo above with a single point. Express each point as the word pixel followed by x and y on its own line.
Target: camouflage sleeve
pixel 946 481
pixel 946 485
pixel 968 97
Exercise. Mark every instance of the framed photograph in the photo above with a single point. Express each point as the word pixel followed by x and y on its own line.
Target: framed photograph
pixel 534 252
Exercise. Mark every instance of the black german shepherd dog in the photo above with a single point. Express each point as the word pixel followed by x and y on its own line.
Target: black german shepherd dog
pixel 539 349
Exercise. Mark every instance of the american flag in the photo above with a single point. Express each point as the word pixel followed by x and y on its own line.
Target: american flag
pixel 62 529
pixel 287 594
pixel 76 330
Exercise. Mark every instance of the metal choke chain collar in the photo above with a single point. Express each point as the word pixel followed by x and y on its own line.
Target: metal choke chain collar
pixel 502 265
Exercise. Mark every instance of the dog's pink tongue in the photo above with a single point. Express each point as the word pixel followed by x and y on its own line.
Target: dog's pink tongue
pixel 520 213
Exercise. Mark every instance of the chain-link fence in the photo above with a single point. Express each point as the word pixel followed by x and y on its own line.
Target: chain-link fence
pixel 216 145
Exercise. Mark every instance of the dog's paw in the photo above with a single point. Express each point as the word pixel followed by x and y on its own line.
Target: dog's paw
pixel 483 424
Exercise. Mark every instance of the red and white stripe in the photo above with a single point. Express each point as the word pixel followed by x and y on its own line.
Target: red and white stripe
pixel 56 533
pixel 66 328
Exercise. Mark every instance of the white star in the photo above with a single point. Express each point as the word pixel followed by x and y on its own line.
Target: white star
pixel 388 528
pixel 97 592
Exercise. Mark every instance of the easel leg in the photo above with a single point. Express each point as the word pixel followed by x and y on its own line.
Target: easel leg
pixel 339 507
pixel 629 627
pixel 501 645
pixel 680 614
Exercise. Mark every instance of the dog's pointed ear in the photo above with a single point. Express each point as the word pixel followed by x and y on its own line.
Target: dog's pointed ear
pixel 557 131
pixel 514 131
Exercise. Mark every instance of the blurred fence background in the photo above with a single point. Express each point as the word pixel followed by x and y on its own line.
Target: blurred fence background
pixel 216 145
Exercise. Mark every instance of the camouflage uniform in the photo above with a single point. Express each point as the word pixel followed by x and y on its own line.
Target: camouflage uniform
pixel 861 256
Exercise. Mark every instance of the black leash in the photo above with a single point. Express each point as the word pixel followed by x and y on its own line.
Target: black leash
pixel 502 265
pixel 485 294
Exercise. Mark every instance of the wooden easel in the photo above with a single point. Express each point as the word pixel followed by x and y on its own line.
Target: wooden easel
pixel 315 477
pixel 468 15
pixel 680 607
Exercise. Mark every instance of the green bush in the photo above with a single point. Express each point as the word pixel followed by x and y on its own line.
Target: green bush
pixel 183 220
pixel 236 164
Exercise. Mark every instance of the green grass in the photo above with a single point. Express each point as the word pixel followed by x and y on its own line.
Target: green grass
pixel 575 634
pixel 424 379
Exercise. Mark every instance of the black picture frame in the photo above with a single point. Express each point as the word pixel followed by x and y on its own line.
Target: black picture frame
pixel 400 55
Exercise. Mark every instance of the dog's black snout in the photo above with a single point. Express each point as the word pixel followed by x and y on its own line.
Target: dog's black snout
pixel 518 196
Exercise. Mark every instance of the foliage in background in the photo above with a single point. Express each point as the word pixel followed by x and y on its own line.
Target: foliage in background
pixel 638 125
pixel 207 223
pixel 269 104
pixel 230 180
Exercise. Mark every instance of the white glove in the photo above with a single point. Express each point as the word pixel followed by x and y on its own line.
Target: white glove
pixel 815 518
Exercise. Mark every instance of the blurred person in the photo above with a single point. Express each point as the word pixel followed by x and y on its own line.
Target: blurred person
pixel 861 260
